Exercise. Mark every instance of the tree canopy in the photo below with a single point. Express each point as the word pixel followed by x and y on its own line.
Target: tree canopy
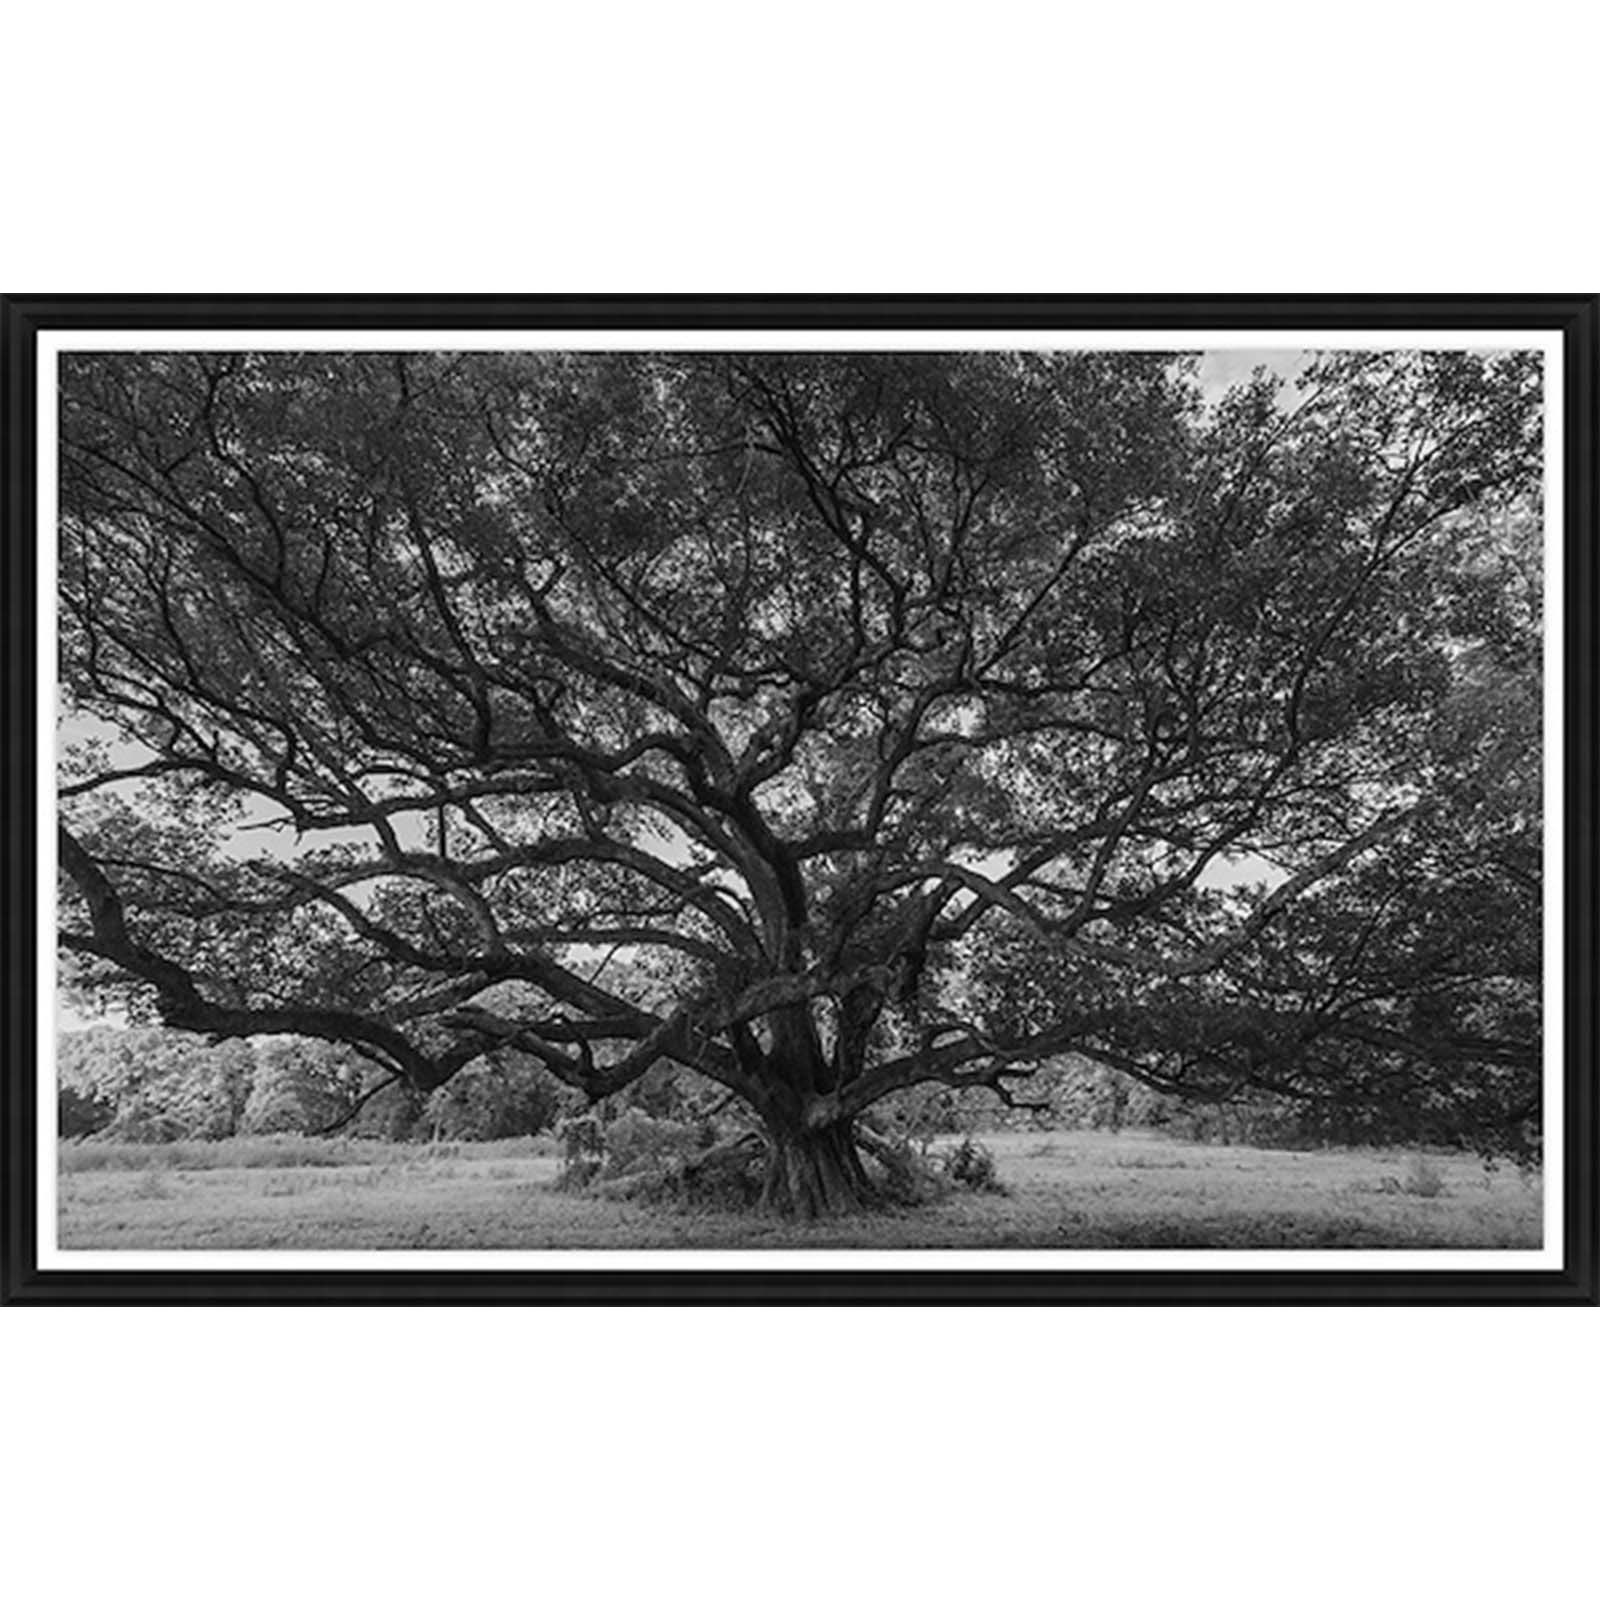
pixel 825 724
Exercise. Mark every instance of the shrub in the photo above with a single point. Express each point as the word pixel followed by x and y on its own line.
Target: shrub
pixel 971 1165
pixel 583 1150
pixel 1422 1178
pixel 638 1142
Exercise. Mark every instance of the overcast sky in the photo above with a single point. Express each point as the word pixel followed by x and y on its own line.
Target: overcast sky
pixel 1221 369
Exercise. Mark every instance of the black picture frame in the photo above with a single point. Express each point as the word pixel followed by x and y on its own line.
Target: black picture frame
pixel 1574 319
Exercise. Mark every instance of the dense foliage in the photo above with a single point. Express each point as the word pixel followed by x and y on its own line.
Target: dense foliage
pixel 148 1085
pixel 821 725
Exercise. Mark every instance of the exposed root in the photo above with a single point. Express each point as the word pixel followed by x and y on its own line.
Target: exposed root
pixel 841 1172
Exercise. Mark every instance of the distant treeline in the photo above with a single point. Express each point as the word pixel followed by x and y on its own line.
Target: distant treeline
pixel 1075 1093
pixel 156 1085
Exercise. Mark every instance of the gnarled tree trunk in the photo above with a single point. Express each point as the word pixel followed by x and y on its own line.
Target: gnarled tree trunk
pixel 816 1173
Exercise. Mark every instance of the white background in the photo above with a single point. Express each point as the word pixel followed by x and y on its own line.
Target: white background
pixel 857 147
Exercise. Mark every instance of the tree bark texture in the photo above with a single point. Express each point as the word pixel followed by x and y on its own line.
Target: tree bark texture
pixel 816 1173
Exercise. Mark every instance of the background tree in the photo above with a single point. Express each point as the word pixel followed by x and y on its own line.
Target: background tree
pixel 499 1096
pixel 303 1086
pixel 822 725
pixel 151 1085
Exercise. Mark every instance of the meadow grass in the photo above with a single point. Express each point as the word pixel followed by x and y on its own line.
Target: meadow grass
pixel 279 1150
pixel 1064 1191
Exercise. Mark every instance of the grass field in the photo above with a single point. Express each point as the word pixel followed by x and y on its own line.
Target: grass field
pixel 1069 1190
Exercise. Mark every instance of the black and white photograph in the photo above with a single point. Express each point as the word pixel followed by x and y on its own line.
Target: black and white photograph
pixel 879 800
pixel 799 801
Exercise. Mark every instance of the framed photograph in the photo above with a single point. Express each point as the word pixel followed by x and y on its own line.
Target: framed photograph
pixel 793 799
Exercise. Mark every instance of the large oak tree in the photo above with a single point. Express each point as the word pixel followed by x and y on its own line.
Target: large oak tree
pixel 825 724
